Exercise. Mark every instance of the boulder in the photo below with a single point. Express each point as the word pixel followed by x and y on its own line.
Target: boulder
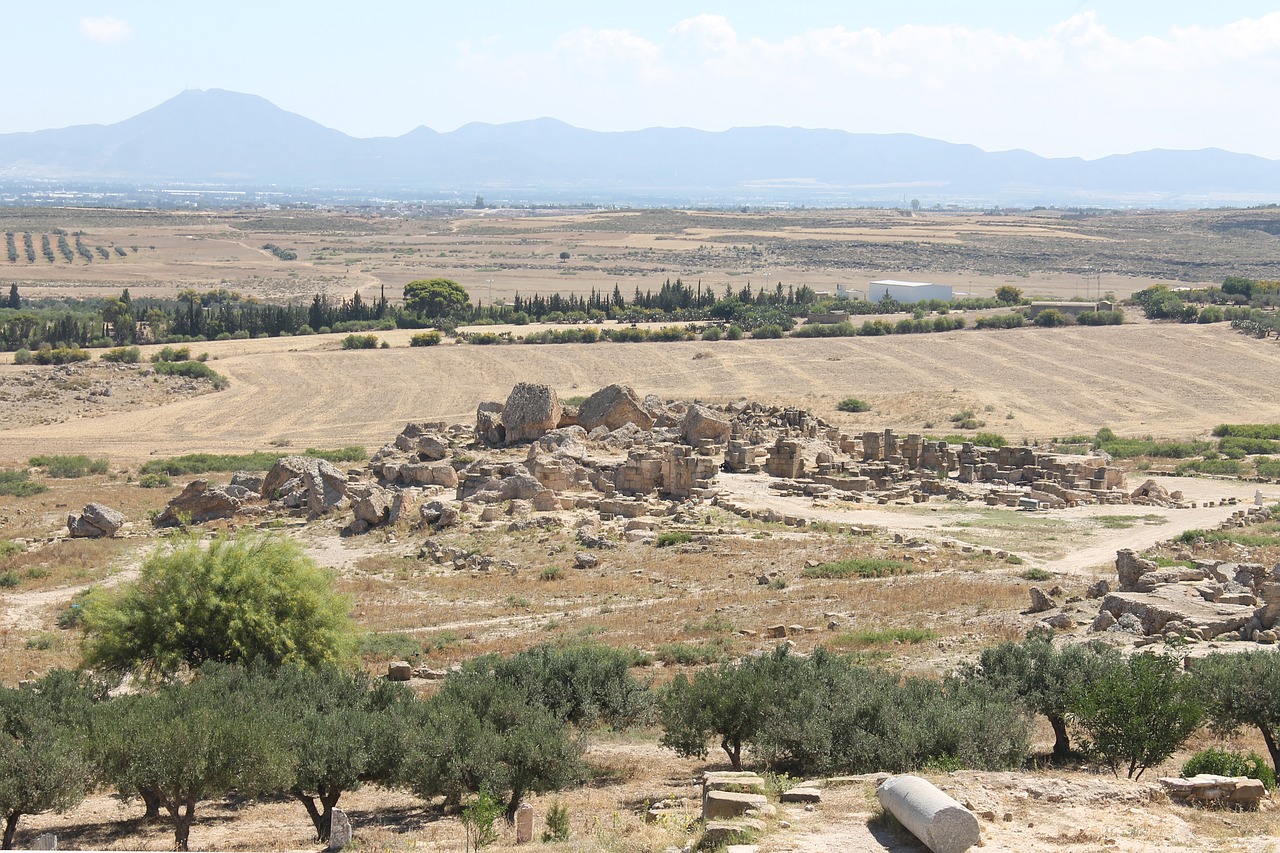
pixel 374 507
pixel 722 804
pixel 399 670
pixel 200 501
pixel 94 521
pixel 1153 492
pixel 247 480
pixel 1098 588
pixel 703 424
pixel 1177 603
pixel 489 427
pixel 530 412
pixel 428 474
pixel 432 448
pixel 1040 600
pixel 612 407
pixel 1130 568
pixel 438 515
pixel 803 794
pixel 322 485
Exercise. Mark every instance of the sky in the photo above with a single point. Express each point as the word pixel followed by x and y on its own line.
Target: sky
pixel 1056 77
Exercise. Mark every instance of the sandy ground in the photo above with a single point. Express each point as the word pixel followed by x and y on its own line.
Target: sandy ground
pixel 1146 379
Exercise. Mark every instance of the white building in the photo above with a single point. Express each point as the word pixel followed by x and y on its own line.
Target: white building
pixel 907 291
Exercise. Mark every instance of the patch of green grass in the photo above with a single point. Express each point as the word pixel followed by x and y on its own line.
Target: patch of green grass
pixel 8 549
pixel 714 624
pixel 203 463
pixel 394 646
pixel 43 642
pixel 870 637
pixel 1169 562
pixel 1124 522
pixel 1036 574
pixel 550 573
pixel 1128 448
pixel 853 404
pixel 673 537
pixel 1221 467
pixel 68 467
pixel 1269 432
pixel 9 579
pixel 860 567
pixel 1268 467
pixel 192 370
pixel 155 481
pixel 693 654
pixel 575 400
pixel 17 484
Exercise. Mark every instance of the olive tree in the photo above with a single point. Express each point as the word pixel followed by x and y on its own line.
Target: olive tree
pixel 238 600
pixel 188 743
pixel 1243 690
pixel 1135 713
pixel 43 763
pixel 1042 677
pixel 481 734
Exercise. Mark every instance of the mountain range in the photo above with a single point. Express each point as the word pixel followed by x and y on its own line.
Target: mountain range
pixel 228 139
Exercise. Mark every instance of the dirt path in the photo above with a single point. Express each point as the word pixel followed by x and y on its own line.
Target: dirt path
pixel 1089 548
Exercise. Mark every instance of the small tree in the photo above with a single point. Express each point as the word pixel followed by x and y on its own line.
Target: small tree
pixel 1243 690
pixel 251 598
pixel 564 256
pixel 43 766
pixel 1008 294
pixel 15 300
pixel 188 743
pixel 434 297
pixel 1042 678
pixel 1136 712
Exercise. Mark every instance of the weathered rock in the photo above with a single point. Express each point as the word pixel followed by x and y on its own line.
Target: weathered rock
pixel 1152 492
pixel 717 832
pixel 247 480
pixel 1130 568
pixel 803 794
pixel 1103 621
pixel 339 831
pixel 524 823
pixel 1098 588
pixel 519 486
pixel 94 521
pixel 740 781
pixel 1176 602
pixel 429 474
pixel 530 412
pixel 374 508
pixel 432 447
pixel 200 501
pixel 1040 600
pixel 612 407
pixel 1207 788
pixel 320 485
pixel 399 670
pixel 489 427
pixel 438 514
pixel 722 804
pixel 1061 621
pixel 702 424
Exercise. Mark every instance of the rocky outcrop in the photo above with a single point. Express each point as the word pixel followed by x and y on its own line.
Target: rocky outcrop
pixel 530 412
pixel 1130 568
pixel 612 407
pixel 301 481
pixel 199 502
pixel 489 426
pixel 95 521
pixel 1180 604
pixel 703 424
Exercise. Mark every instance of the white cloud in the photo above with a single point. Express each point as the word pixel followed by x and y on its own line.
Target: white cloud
pixel 105 30
pixel 1076 88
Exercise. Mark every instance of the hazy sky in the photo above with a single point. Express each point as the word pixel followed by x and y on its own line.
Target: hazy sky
pixel 1058 77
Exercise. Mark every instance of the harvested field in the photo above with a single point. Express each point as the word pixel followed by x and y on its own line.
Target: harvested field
pixel 1162 380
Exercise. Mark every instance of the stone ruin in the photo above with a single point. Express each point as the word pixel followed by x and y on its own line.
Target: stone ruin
pixel 623 455
pixel 1193 600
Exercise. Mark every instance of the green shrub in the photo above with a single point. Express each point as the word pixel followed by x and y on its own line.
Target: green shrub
pixel 692 654
pixel 550 573
pixel 1127 448
pixel 43 642
pixel 853 404
pixel 1001 321
pixel 8 549
pixel 1036 574
pixel 673 537
pixel 862 567
pixel 557 823
pixel 769 331
pixel 155 481
pixel 733 333
pixel 1221 762
pixel 23 356
pixel 1052 318
pixel 1222 467
pixel 375 646
pixel 710 333
pixel 59 355
pixel 68 467
pixel 866 637
pixel 203 463
pixel 824 330
pixel 192 370
pixel 989 439
pixel 122 355
pixel 17 484
pixel 1265 431
pixel 1104 435
pixel 1211 314
pixel 171 354
pixel 9 579
pixel 1268 467
pixel 1100 318
pixel 426 339
pixel 1136 712
pixel 1247 446
pixel 360 342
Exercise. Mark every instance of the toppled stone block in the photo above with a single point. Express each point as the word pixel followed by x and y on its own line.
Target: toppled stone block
pixel 612 407
pixel 802 794
pixel 200 501
pixel 729 804
pixel 399 670
pixel 531 411
pixel 95 521
pixel 1040 600
pixel 1207 788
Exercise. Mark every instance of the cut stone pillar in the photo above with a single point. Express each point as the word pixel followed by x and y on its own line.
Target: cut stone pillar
pixel 941 823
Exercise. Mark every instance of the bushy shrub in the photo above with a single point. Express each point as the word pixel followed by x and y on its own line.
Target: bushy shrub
pixel 192 370
pixel 1100 318
pixel 769 331
pixel 360 342
pixel 875 328
pixel 1211 314
pixel 155 481
pixel 1001 321
pixel 1136 712
pixel 122 355
pixel 1221 762
pixel 853 404
pixel 59 355
pixel 990 439
pixel 426 339
pixel 733 333
pixel 23 356
pixel 68 467
pixel 712 333
pixel 861 567
pixel 670 333
pixel 1264 431
pixel 672 537
pixel 824 330
pixel 171 354
pixel 18 484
